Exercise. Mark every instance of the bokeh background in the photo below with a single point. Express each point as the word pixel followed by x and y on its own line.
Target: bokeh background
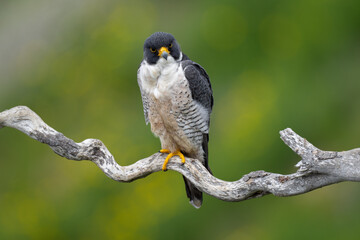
pixel 272 64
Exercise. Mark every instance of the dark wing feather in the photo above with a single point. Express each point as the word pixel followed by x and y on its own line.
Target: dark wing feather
pixel 201 92
pixel 199 83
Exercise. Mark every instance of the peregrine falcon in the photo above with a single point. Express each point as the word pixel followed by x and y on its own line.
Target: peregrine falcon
pixel 177 100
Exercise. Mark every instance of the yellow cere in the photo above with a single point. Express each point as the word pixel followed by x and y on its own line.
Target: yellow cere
pixel 163 49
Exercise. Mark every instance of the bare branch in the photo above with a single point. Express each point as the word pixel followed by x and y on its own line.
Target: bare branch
pixel 316 169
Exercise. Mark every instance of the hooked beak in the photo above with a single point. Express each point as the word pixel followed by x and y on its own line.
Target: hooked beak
pixel 164 52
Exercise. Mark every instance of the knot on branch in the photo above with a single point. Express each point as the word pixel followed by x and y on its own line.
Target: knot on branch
pixel 253 175
pixel 310 154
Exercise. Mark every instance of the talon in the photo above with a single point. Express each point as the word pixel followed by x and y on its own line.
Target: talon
pixel 176 153
pixel 166 161
pixel 164 151
pixel 181 156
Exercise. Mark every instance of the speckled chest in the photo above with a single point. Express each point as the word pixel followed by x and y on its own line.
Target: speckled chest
pixel 168 92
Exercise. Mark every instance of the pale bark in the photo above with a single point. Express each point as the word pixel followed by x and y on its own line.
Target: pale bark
pixel 316 169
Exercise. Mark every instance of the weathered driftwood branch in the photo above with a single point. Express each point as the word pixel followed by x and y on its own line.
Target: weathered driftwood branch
pixel 316 169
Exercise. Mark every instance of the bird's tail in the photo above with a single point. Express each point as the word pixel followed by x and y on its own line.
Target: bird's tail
pixel 194 194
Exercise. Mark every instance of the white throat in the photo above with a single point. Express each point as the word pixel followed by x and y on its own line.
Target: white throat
pixel 159 79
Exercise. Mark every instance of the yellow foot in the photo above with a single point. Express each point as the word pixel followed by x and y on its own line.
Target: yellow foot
pixel 176 153
pixel 165 151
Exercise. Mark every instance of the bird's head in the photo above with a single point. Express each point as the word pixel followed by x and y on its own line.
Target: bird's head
pixel 161 45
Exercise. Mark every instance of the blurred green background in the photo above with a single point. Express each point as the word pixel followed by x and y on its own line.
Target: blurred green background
pixel 272 64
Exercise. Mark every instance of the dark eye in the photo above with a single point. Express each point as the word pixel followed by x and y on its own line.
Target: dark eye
pixel 152 49
pixel 170 45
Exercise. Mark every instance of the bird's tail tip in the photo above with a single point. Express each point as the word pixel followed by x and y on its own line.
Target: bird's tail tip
pixel 196 203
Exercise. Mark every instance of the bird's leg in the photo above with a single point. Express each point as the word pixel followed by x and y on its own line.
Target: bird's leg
pixel 176 153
